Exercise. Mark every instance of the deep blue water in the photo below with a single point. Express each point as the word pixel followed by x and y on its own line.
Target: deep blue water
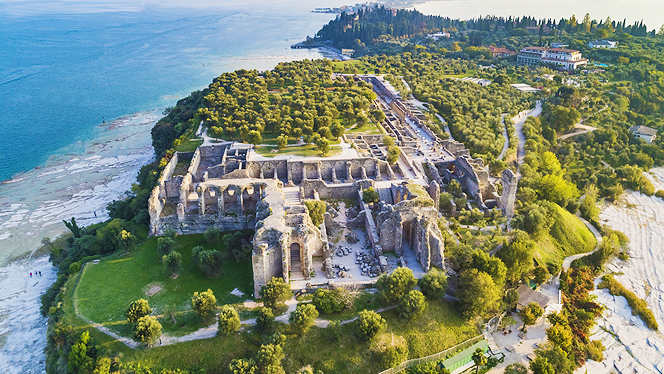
pixel 61 74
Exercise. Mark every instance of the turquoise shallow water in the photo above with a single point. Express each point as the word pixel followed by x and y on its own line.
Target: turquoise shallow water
pixel 62 74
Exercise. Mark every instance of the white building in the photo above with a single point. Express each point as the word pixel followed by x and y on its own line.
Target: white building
pixel 602 44
pixel 568 59
pixel 644 132
pixel 559 45
pixel 439 35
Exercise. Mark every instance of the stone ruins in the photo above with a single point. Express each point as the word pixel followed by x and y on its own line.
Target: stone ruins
pixel 228 186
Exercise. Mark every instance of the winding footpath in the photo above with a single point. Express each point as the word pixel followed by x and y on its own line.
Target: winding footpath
pixel 567 262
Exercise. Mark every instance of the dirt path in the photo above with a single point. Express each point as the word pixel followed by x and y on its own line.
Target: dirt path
pixel 519 120
pixel 567 262
pixel 580 129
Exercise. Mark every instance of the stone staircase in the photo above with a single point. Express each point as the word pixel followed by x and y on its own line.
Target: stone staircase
pixel 492 343
pixel 292 196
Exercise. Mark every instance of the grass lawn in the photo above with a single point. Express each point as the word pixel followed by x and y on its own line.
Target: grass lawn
pixel 104 341
pixel 189 145
pixel 307 150
pixel 368 128
pixel 438 328
pixel 106 289
pixel 568 236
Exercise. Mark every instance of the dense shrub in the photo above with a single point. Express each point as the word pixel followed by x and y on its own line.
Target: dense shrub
pixel 147 329
pixel 303 317
pixel 370 195
pixel 392 287
pixel 639 306
pixel 316 210
pixel 212 235
pixel 137 309
pixel 208 261
pixel 595 350
pixel 411 305
pixel 531 313
pixel 477 293
pixel 516 368
pixel 274 291
pixel 428 368
pixel 204 303
pixel 660 194
pixel 229 320
pixel 369 324
pixel 265 320
pixel 331 301
pixel 165 245
pixel 389 350
pixel 433 284
pixel 172 261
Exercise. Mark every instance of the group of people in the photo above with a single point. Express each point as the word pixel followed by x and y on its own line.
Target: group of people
pixel 36 273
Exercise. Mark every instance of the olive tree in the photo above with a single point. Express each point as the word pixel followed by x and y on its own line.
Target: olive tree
pixel 274 291
pixel 229 320
pixel 204 303
pixel 147 329
pixel 302 318
pixel 137 309
pixel 369 324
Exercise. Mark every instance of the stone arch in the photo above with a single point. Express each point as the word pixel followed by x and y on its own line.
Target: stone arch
pixel 295 258
pixel 253 170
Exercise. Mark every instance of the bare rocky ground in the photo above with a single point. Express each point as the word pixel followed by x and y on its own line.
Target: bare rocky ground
pixel 631 346
pixel 22 328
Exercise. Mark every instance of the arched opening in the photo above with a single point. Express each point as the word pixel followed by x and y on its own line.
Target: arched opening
pixel 296 262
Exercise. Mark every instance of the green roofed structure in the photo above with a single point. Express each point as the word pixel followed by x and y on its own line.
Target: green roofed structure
pixel 465 356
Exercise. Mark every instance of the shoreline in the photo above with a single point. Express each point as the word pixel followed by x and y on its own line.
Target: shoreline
pixel 21 323
pixel 35 202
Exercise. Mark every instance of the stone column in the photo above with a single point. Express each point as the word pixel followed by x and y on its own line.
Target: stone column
pixel 398 238
pixel 180 212
pixel 276 175
pixel 240 200
pixel 290 176
pixel 378 175
pixel 304 172
pixel 257 192
pixel 390 173
pixel 201 199
pixel 348 172
pixel 320 176
pixel 434 191
pixel 220 200
pixel 334 174
pixel 363 173
pixel 262 176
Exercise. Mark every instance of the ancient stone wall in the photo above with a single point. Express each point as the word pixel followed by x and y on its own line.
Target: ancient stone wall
pixel 268 257
pixel 508 198
pixel 329 191
pixel 170 167
pixel 172 187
